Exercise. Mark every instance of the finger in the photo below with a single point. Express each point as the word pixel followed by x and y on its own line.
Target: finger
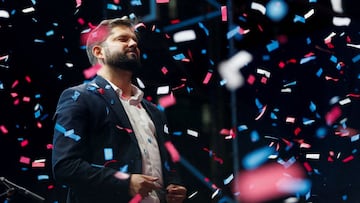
pixel 150 178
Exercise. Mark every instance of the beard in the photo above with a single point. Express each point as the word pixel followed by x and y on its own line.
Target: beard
pixel 122 61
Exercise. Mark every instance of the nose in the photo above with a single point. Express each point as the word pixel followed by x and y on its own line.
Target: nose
pixel 133 43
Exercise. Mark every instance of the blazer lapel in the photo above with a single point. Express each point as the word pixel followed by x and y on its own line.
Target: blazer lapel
pixel 109 95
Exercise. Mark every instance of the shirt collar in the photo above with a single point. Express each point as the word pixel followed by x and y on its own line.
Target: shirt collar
pixel 137 94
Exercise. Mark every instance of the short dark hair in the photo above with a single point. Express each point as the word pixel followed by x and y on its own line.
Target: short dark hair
pixel 99 34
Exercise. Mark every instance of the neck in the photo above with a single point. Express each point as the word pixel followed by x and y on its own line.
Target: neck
pixel 120 78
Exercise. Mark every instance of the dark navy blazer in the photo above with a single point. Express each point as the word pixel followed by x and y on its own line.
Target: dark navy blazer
pixel 93 139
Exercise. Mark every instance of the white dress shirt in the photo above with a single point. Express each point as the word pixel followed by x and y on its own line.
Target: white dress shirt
pixel 144 130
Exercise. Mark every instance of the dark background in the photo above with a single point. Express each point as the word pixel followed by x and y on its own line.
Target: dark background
pixel 41 44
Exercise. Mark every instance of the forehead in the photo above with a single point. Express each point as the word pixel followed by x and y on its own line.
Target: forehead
pixel 122 30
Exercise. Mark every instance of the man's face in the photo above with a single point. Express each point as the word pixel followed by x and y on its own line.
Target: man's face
pixel 121 49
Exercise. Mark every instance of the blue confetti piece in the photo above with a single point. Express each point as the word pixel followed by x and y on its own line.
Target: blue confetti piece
pixel 144 56
pixel 257 157
pixel 160 107
pixel 70 134
pixel 136 3
pixel 338 66
pixel 298 18
pixel 75 96
pixel 307 59
pixel 254 135
pixel 233 32
pixel 201 25
pixel 266 57
pixel 189 89
pixel 177 133
pixel 312 1
pixel 179 57
pixel 242 128
pixel 307 121
pixel 273 116
pixel 37 114
pixel 43 177
pixel 319 72
pixel 39 41
pixel 272 46
pixel 333 59
pixel 124 169
pixel 50 33
pixel 344 197
pixel 356 58
pixel 108 154
pixel 60 128
pixel 312 106
pixel 258 104
pixel 173 48
pixel 203 51
pixel 321 132
pixel 308 40
pixel 113 7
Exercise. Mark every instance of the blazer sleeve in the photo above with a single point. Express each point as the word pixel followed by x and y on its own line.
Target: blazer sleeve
pixel 69 157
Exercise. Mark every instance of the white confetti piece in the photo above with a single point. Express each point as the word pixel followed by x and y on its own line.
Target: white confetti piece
pixel 185 35
pixel 229 70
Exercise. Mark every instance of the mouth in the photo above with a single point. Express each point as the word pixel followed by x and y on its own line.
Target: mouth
pixel 133 53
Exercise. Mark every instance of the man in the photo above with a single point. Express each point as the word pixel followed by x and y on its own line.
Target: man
pixel 108 140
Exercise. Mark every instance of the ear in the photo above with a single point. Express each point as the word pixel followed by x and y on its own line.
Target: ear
pixel 98 52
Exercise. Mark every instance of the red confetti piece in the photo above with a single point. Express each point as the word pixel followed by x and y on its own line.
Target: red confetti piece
pixel 39 124
pixel 26 99
pixel 266 182
pixel 38 164
pixel 251 79
pixel 136 199
pixel 3 129
pixel 28 79
pixel 223 13
pixel 297 131
pixel 207 78
pixel 175 156
pixel 14 94
pixel 281 64
pixel 50 187
pixel 24 160
pixel 162 1
pixel 49 146
pixel 128 130
pixel 307 166
pixel 167 100
pixel 164 70
pixel 347 159
pixel 24 143
pixel 91 72
pixel 15 83
pixel 333 115
pixel 16 102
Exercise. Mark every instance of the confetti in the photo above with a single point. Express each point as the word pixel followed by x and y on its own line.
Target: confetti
pixel 229 70
pixel 184 35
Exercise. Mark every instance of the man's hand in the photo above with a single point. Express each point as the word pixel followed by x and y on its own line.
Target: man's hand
pixel 142 184
pixel 175 193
